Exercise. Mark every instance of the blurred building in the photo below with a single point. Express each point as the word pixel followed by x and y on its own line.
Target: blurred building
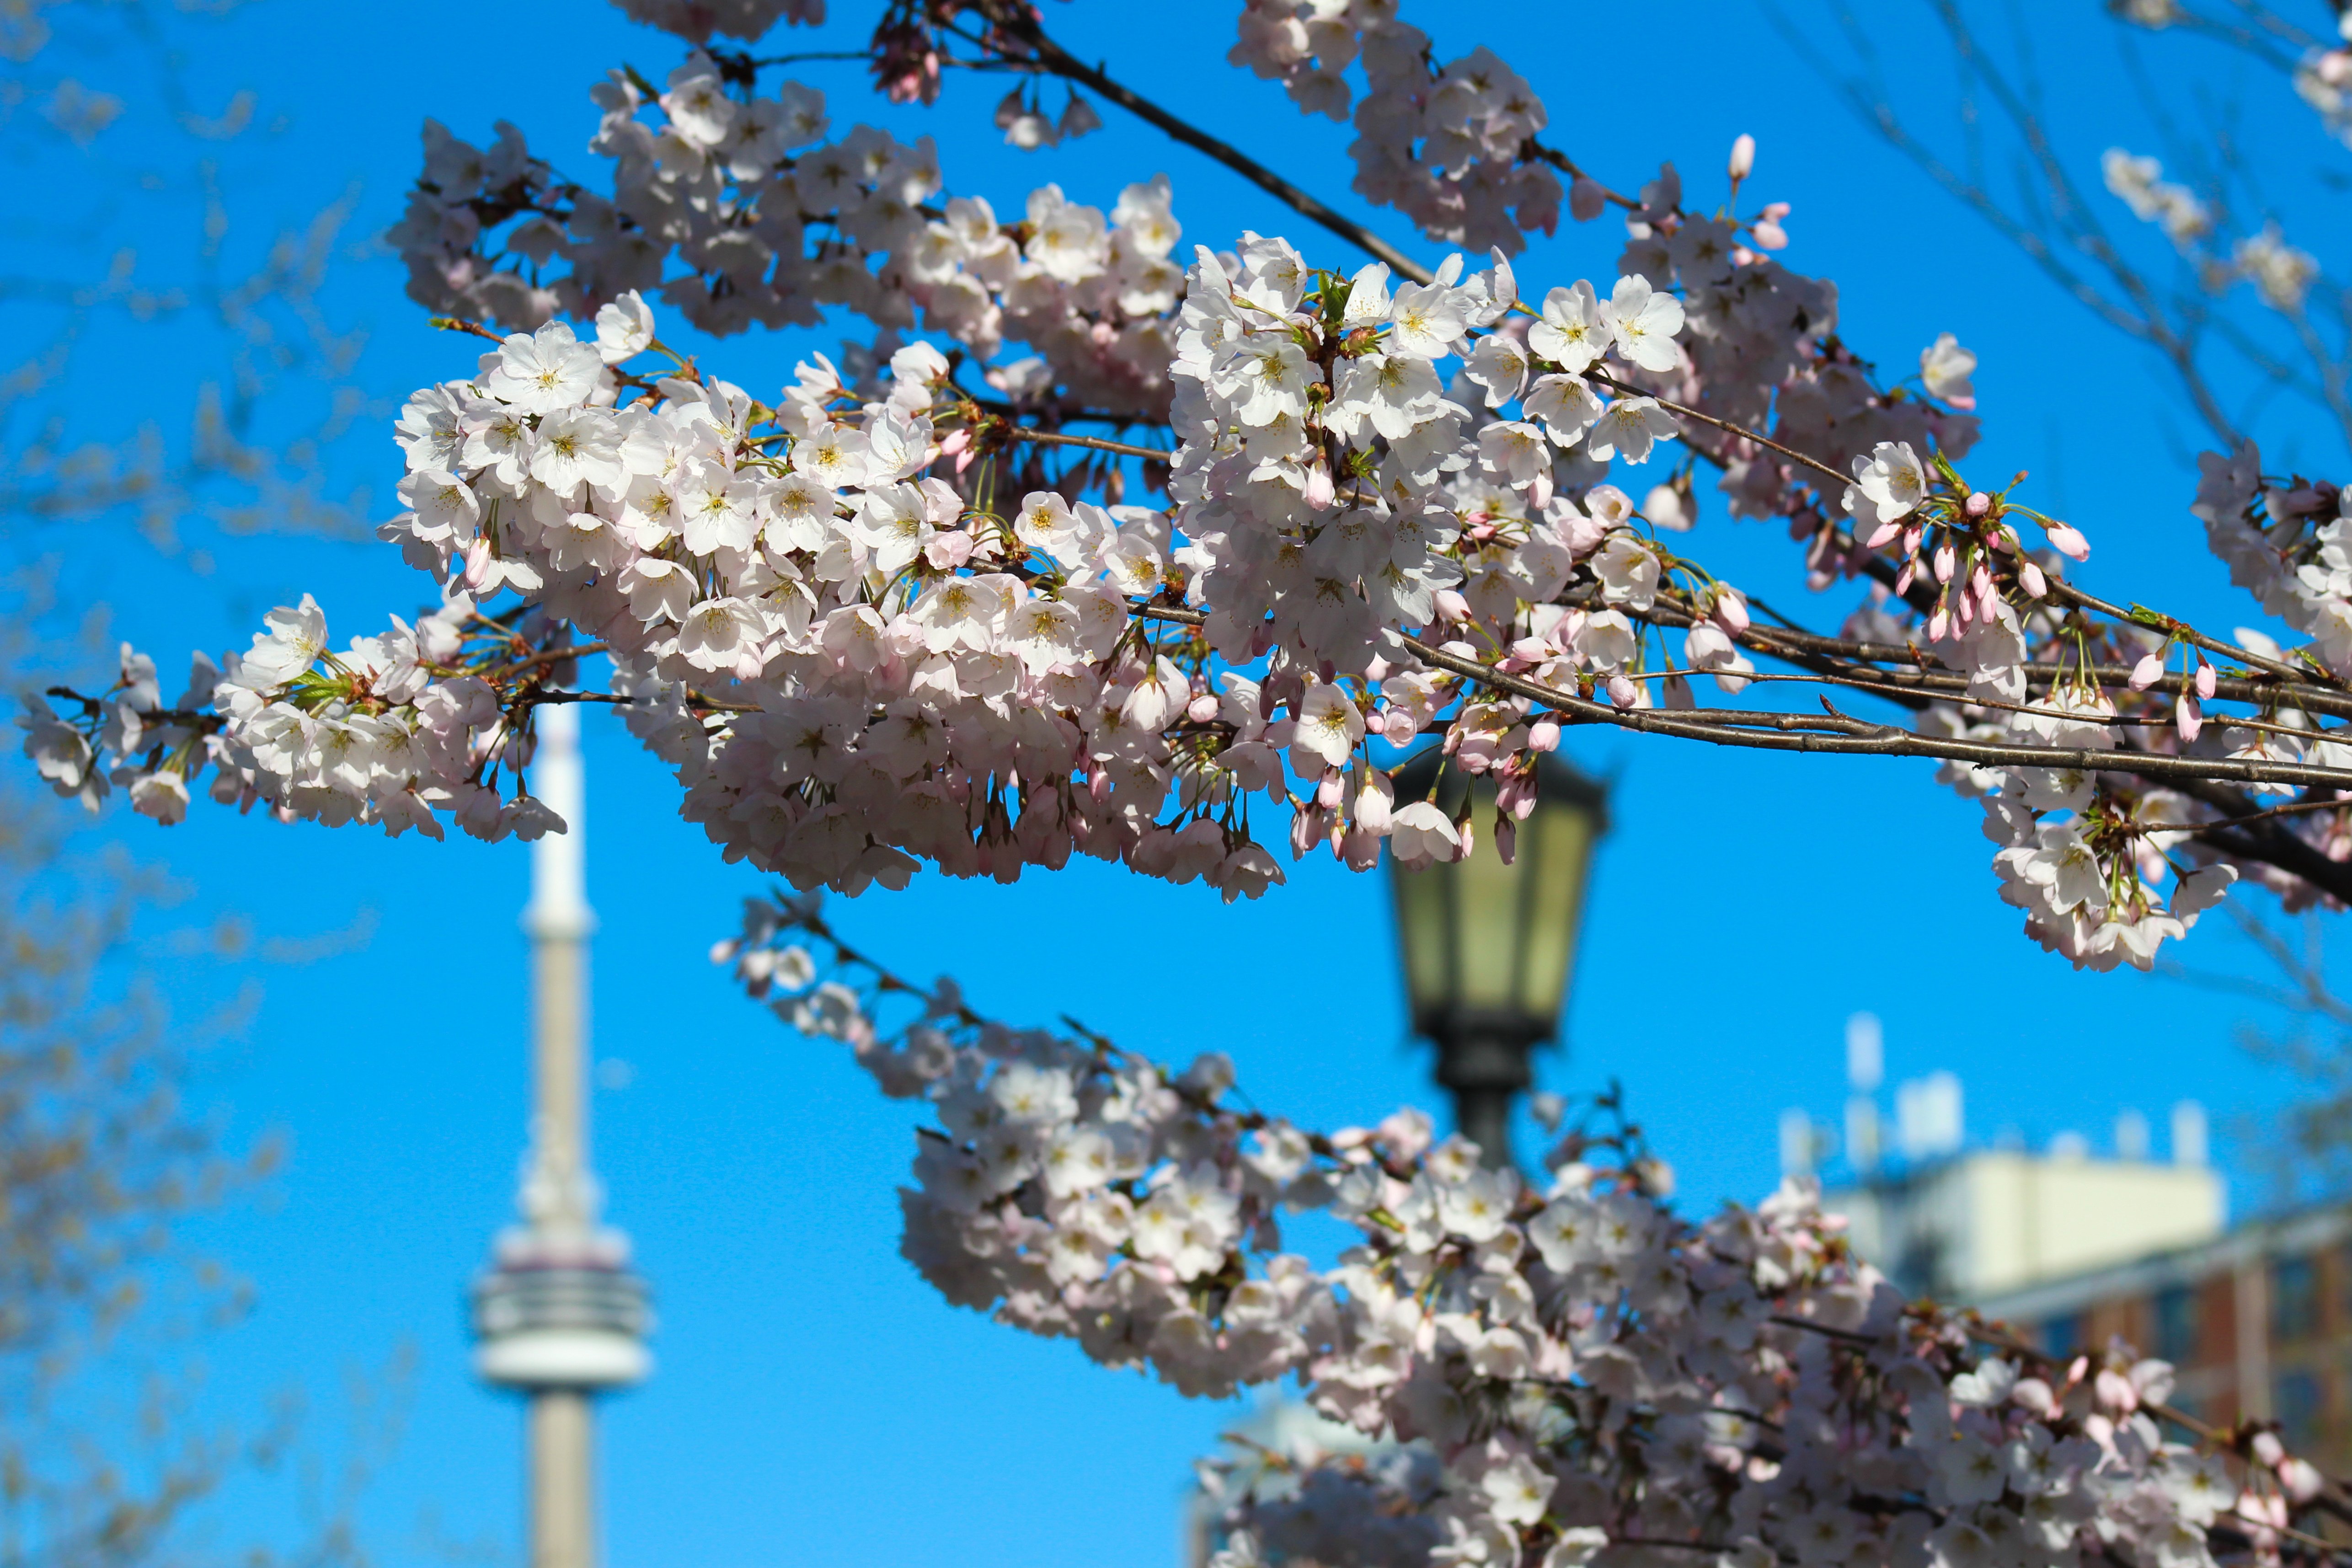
pixel 2073 1248
pixel 1969 1225
pixel 1964 1223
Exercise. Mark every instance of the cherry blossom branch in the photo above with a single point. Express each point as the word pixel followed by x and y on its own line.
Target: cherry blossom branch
pixel 2058 586
pixel 1834 734
pixel 1786 641
pixel 1019 21
pixel 1079 1192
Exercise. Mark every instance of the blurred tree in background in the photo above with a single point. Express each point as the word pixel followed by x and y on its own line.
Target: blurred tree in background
pixel 121 232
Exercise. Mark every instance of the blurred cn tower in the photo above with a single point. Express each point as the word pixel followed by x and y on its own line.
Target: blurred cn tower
pixel 558 1317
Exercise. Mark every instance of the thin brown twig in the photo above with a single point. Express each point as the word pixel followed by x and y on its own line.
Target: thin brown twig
pixel 1568 166
pixel 551 656
pixel 2060 588
pixel 1018 21
pixel 1056 438
pixel 1686 411
pixel 2300 805
pixel 1811 1327
pixel 459 325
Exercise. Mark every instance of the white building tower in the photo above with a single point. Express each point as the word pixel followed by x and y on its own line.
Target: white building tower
pixel 558 1317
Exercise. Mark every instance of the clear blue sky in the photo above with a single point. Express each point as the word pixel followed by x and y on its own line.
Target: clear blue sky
pixel 814 1401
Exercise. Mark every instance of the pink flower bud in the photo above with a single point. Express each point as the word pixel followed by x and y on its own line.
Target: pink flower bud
pixel 1516 792
pixel 2148 672
pixel 1506 838
pixel 1743 157
pixel 1881 533
pixel 2205 680
pixel 1623 691
pixel 2068 541
pixel 1947 561
pixel 1543 735
pixel 2188 717
pixel 1979 504
pixel 1306 826
pixel 1318 487
pixel 2267 1449
pixel 2302 1482
pixel 1768 235
pixel 1451 604
pixel 477 563
pixel 948 549
pixel 1938 623
pixel 1730 609
pixel 2029 575
pixel 1585 199
pixel 1202 709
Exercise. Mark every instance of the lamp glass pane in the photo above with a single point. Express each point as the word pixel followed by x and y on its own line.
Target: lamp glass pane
pixel 1422 922
pixel 1486 934
pixel 1554 857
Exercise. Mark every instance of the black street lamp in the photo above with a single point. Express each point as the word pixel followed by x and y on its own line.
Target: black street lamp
pixel 1487 947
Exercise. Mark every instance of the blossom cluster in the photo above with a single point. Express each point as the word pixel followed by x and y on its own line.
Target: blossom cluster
pixel 1446 145
pixel 1567 1369
pixel 697 20
pixel 2081 853
pixel 775 225
pixel 396 730
pixel 853 662
pixel 2282 274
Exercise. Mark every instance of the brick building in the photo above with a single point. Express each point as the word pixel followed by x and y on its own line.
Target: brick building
pixel 2259 1322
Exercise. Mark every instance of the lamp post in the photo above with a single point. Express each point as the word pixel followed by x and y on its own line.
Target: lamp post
pixel 1487 947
